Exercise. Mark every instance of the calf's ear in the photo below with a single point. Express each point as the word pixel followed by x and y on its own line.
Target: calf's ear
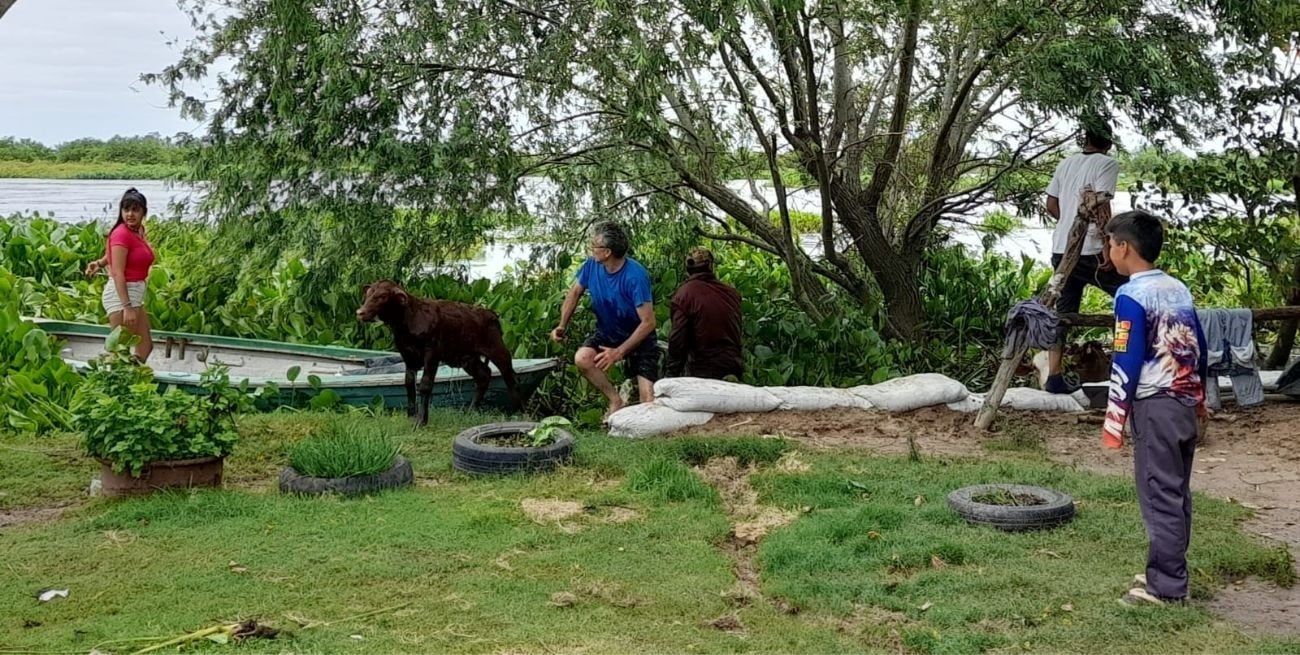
pixel 365 288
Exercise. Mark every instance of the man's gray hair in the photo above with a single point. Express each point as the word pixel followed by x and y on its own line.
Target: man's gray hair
pixel 612 236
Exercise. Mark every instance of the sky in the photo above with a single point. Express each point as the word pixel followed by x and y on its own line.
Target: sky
pixel 71 68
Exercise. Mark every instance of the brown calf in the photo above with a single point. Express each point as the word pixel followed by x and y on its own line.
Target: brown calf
pixel 429 333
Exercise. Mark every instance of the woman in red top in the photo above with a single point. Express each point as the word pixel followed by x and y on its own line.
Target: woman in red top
pixel 128 259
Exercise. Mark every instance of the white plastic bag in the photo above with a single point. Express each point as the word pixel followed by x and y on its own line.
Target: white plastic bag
pixel 912 392
pixel 810 399
pixel 649 419
pixel 701 395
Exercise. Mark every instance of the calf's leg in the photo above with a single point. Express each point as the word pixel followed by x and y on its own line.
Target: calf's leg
pixel 505 363
pixel 409 383
pixel 482 378
pixel 426 389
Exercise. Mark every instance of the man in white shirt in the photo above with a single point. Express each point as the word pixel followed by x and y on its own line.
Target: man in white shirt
pixel 1091 166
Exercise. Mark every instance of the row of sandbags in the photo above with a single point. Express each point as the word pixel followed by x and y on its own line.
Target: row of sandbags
pixel 687 402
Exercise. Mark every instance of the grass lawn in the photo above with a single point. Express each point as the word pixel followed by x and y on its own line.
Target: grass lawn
pixel 874 561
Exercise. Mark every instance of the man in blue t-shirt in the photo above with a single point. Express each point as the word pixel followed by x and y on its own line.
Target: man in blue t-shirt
pixel 625 317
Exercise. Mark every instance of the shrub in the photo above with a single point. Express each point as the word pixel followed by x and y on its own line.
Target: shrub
pixel 126 422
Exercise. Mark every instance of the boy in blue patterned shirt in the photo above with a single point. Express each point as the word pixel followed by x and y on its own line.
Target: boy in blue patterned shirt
pixel 1157 391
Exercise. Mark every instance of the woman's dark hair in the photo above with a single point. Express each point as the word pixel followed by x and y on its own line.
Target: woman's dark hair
pixel 133 199
pixel 1141 230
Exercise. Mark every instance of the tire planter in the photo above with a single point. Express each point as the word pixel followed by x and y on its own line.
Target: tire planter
pixel 470 455
pixel 397 475
pixel 172 474
pixel 1056 508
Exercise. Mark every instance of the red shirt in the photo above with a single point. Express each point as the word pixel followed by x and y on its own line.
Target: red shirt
pixel 139 256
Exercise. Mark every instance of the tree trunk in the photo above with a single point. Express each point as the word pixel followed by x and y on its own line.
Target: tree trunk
pixel 1281 352
pixel 900 285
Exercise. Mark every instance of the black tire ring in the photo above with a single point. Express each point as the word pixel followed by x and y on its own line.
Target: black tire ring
pixel 1058 508
pixel 470 456
pixel 399 474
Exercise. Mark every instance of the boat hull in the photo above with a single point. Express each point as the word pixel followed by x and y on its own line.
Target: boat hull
pixel 179 359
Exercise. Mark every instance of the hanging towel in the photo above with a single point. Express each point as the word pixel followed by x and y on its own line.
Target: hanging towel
pixel 1040 325
pixel 1230 351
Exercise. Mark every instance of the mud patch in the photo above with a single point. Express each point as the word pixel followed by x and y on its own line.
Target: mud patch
pixel 750 523
pixel 550 510
pixel 12 518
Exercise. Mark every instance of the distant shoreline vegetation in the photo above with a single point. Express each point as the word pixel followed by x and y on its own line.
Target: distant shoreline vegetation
pixel 150 157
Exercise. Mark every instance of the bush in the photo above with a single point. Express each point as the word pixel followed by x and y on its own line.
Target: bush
pixel 37 384
pixel 344 449
pixel 125 421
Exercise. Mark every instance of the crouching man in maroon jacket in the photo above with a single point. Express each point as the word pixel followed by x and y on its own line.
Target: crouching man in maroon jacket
pixel 706 324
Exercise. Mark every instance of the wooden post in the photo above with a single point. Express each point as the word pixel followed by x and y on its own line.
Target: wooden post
pixel 1007 370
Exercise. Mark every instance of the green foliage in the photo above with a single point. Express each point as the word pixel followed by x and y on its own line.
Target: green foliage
pixel 139 157
pixel 545 431
pixel 344 448
pixel 127 422
pixel 36 385
pixel 467 124
pixel 800 222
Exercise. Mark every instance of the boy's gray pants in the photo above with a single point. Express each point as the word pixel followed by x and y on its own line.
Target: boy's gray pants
pixel 1164 441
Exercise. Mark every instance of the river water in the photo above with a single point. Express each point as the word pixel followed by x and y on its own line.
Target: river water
pixel 80 200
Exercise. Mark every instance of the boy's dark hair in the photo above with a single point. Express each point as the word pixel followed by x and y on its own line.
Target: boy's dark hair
pixel 1140 229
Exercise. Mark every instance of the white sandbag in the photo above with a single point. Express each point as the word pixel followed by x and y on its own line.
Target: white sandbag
pixel 1037 400
pixel 701 395
pixel 811 399
pixel 912 392
pixel 649 419
pixel 1024 399
pixel 969 404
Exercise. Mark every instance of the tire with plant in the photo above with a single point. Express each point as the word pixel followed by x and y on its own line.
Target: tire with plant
pixel 349 457
pixel 1012 507
pixel 512 447
pixel 400 474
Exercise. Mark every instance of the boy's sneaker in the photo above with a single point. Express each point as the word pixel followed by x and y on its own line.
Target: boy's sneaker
pixel 1059 385
pixel 1140 580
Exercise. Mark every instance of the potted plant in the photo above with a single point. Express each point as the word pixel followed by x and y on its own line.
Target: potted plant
pixel 146 440
pixel 513 447
pixel 348 457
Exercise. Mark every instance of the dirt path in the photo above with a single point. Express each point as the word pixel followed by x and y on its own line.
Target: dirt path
pixel 1249 456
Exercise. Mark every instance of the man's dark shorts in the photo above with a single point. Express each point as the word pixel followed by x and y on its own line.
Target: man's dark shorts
pixel 1087 271
pixel 641 362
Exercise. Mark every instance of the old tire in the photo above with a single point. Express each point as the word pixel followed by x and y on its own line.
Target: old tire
pixel 1057 508
pixel 398 475
pixel 470 455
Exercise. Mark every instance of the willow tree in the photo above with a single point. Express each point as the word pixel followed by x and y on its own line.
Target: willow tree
pixel 899 113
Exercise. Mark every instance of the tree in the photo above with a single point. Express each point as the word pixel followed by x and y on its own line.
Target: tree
pixel 901 113
pixel 5 5
pixel 1243 199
